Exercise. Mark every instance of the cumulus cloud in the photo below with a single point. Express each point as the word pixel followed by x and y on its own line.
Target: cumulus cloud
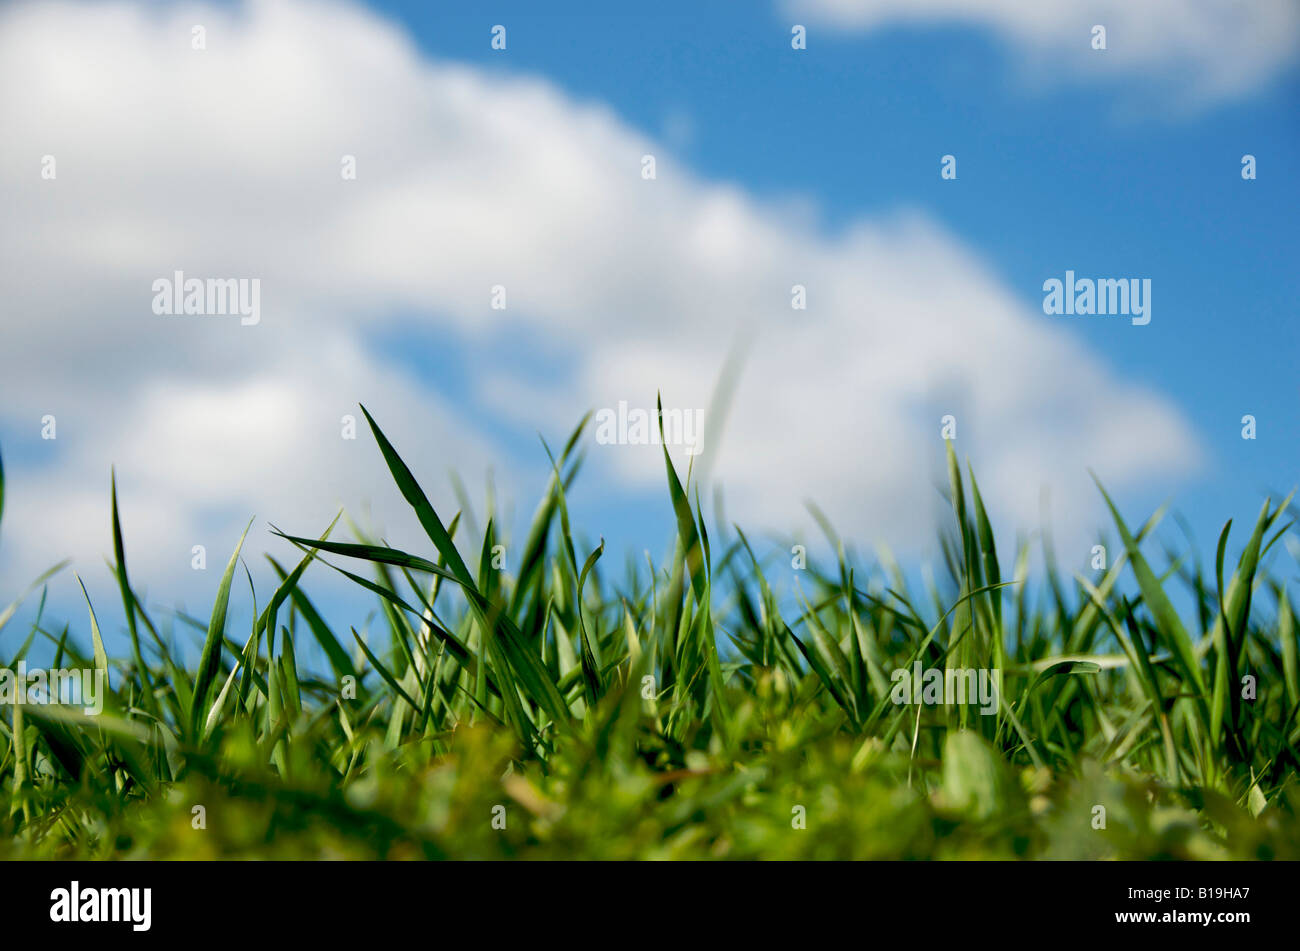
pixel 1197 53
pixel 225 162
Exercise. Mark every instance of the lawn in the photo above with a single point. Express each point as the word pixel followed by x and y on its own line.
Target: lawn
pixel 541 707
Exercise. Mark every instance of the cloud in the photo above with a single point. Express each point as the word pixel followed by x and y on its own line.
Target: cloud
pixel 1196 53
pixel 225 162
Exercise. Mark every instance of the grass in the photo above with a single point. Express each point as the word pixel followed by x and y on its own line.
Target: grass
pixel 549 710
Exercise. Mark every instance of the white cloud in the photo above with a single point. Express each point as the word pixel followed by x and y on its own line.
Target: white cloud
pixel 1198 51
pixel 225 162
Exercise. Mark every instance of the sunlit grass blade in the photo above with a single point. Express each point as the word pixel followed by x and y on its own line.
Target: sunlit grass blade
pixel 210 659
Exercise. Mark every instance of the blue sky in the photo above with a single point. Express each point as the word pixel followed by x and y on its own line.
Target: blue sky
pixel 776 166
pixel 1052 174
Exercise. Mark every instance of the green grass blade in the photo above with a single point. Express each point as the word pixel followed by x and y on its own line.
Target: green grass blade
pixel 210 660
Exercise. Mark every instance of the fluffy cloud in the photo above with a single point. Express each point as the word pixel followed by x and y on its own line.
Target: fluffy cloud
pixel 225 163
pixel 1199 52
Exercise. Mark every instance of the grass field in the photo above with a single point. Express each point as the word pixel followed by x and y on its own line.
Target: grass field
pixel 547 709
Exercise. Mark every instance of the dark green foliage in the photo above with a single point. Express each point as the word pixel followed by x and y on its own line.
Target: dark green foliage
pixel 676 712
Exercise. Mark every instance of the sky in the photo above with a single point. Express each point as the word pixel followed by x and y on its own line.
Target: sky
pixel 486 175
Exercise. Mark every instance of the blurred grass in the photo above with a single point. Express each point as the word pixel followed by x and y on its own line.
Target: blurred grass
pixel 549 710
